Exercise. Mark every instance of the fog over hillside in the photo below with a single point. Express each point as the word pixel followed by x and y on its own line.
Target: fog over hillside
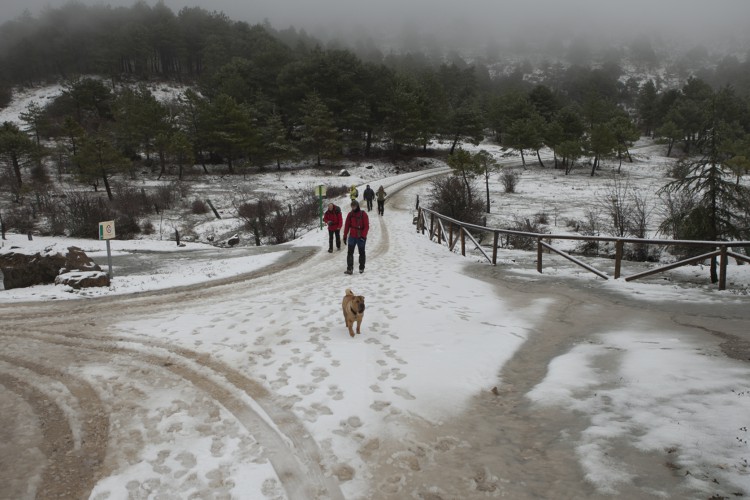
pixel 690 21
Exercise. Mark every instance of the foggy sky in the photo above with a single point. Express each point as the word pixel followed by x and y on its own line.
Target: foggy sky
pixel 687 18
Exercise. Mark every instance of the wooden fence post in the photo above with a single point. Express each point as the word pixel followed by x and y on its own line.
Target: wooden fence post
pixel 463 242
pixel 618 257
pixel 495 238
pixel 539 248
pixel 432 226
pixel 723 259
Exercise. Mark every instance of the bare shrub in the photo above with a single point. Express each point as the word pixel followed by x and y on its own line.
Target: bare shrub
pixel 199 207
pixel 336 191
pixel 509 178
pixel 279 225
pixel 524 242
pixel 305 205
pixel 676 208
pixel 182 188
pixel 84 212
pixel 147 227
pixel 258 212
pixel 19 219
pixel 614 203
pixel 590 226
pixel 165 196
pixel 131 201
pixel 126 226
pixel 541 218
pixel 450 197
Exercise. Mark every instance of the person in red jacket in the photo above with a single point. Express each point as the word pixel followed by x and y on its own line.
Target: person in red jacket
pixel 333 219
pixel 355 234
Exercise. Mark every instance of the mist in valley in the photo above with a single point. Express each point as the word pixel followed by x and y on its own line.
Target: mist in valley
pixel 484 28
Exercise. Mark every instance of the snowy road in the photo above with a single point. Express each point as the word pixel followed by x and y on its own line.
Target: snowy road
pixel 251 388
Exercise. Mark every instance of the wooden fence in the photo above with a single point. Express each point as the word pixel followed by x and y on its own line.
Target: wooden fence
pixel 458 232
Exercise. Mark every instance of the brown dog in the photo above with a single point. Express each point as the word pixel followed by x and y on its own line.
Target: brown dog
pixel 354 310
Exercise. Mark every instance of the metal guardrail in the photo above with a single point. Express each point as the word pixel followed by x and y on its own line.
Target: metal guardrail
pixel 437 229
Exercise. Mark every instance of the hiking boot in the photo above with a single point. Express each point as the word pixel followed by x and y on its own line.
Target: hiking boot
pixel 330 250
pixel 361 270
pixel 348 271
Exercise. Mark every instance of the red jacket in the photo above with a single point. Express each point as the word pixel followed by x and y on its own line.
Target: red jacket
pixel 333 218
pixel 357 224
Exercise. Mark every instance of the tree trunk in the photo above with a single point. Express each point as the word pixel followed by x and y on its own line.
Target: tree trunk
pixel 487 188
pixel 368 142
pixel 468 188
pixel 669 148
pixel 16 168
pixel 162 164
pixel 538 157
pixel 106 185
pixel 523 159
pixel 596 164
pixel 455 143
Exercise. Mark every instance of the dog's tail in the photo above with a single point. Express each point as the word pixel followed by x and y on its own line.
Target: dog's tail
pixel 349 291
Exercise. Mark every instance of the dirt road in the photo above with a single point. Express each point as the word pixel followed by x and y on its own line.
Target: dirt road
pixel 70 390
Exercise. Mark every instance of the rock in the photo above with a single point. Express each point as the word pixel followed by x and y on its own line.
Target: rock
pixel 369 167
pixel 21 269
pixel 83 279
pixel 344 173
pixel 231 241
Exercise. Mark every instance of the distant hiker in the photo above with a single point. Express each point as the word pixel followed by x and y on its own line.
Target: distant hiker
pixel 369 195
pixel 381 194
pixel 353 193
pixel 333 219
pixel 355 234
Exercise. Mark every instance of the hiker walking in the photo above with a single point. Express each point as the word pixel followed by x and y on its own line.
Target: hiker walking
pixel 355 234
pixel 333 219
pixel 353 193
pixel 381 194
pixel 369 195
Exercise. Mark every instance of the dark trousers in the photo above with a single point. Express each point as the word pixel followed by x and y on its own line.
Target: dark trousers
pixel 381 206
pixel 337 232
pixel 360 244
pixel 369 203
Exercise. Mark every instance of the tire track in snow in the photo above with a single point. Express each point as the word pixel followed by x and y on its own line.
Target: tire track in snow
pixel 73 465
pixel 289 447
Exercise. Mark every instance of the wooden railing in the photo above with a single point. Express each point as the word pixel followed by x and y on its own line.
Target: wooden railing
pixel 457 232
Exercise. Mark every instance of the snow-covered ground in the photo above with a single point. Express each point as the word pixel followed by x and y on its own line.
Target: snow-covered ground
pixel 434 338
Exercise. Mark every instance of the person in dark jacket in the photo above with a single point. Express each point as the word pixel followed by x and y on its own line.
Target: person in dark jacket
pixel 369 195
pixel 355 234
pixel 333 219
pixel 381 194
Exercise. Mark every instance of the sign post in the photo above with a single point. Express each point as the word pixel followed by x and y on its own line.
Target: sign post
pixel 320 191
pixel 107 232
